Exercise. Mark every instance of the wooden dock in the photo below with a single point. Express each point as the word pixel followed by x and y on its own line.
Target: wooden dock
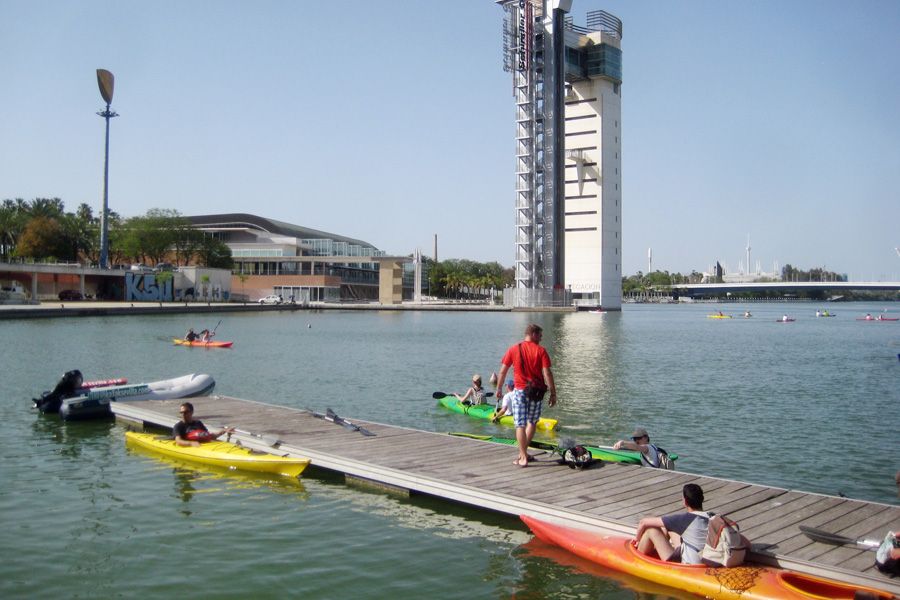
pixel 611 497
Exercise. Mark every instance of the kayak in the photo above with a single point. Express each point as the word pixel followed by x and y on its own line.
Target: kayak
pixel 746 582
pixel 785 320
pixel 486 411
pixel 605 453
pixel 828 315
pixel 94 402
pixel 719 317
pixel 209 344
pixel 888 319
pixel 220 454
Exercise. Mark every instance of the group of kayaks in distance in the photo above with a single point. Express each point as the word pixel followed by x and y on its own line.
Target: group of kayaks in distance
pixel 819 313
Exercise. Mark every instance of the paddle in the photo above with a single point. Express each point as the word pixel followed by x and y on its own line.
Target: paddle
pixel 267 439
pixel 827 537
pixel 333 418
pixel 340 421
pixel 213 332
pixel 439 395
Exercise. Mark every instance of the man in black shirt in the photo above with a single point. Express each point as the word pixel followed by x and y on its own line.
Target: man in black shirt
pixel 188 428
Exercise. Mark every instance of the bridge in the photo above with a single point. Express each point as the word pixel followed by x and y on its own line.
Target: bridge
pixel 712 289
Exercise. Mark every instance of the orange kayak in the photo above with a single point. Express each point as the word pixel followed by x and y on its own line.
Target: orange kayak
pixel 746 582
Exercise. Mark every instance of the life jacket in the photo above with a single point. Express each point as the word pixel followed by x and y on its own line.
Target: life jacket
pixel 199 435
pixel 662 459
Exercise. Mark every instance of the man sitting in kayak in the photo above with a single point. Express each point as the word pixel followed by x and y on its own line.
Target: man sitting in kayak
pixel 190 432
pixel 190 335
pixel 653 533
pixel 640 442
pixel 504 406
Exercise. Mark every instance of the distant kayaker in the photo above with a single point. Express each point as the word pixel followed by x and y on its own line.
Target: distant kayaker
pixel 475 394
pixel 190 335
pixel 818 313
pixel 653 532
pixel 747 314
pixel 206 335
pixel 188 428
pixel 531 370
pixel 785 318
pixel 721 314
pixel 868 317
pixel 504 406
pixel 640 442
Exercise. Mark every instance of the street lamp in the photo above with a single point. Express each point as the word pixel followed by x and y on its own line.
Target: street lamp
pixel 106 81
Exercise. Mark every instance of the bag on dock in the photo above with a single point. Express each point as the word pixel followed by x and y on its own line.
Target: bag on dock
pixel 574 455
pixel 725 545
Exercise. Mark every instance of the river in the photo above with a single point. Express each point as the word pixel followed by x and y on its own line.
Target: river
pixel 809 405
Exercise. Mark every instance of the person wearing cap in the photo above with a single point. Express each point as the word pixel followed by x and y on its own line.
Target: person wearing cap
pixel 640 442
pixel 475 394
pixel 655 534
pixel 504 407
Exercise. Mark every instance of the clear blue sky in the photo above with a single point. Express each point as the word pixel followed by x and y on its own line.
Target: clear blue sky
pixel 393 121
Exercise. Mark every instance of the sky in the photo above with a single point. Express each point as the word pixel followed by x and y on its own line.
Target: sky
pixel 393 122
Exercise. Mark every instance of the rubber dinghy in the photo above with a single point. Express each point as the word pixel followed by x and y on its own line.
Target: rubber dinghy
pixel 605 453
pixel 220 454
pixel 486 411
pixel 746 582
pixel 94 403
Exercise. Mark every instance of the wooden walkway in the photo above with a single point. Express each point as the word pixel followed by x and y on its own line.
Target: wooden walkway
pixel 611 497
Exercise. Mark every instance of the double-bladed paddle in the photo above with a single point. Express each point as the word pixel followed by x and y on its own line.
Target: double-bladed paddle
pixel 439 395
pixel 345 423
pixel 332 417
pixel 826 537
pixel 267 439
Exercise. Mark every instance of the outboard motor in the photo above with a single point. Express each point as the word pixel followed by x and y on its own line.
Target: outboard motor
pixel 49 402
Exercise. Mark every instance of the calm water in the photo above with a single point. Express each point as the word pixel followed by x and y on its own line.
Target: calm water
pixel 810 405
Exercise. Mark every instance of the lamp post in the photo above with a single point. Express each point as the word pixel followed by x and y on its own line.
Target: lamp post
pixel 106 81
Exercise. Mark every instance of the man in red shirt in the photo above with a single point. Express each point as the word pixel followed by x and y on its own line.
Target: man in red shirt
pixel 530 363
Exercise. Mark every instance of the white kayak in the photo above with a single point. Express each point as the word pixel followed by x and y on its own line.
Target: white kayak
pixel 95 402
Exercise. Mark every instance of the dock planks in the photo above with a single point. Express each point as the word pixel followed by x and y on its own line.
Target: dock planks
pixel 611 497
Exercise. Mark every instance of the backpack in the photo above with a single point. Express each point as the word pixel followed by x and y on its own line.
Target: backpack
pixel 574 455
pixel 725 546
pixel 664 461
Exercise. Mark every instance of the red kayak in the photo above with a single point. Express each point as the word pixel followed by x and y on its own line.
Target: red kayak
pixel 746 582
pixel 879 319
pixel 198 343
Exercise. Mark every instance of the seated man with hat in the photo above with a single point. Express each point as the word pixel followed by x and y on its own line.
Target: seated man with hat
pixel 640 442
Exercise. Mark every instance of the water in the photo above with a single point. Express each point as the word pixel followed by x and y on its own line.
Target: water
pixel 810 405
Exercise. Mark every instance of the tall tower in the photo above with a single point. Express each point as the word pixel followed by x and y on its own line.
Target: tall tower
pixel 567 85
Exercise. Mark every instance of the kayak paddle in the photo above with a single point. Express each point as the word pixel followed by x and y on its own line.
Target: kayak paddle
pixel 344 422
pixel 827 537
pixel 267 439
pixel 439 395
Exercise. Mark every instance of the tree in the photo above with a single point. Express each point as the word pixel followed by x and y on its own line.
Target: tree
pixel 214 253
pixel 42 238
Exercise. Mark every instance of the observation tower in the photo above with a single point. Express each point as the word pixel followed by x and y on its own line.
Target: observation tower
pixel 568 212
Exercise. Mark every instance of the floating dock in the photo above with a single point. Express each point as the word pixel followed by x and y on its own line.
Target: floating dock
pixel 610 497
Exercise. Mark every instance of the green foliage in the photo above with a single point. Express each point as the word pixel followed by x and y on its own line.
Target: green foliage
pixel 460 277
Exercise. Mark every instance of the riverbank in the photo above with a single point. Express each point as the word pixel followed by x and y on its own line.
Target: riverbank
pixel 97 309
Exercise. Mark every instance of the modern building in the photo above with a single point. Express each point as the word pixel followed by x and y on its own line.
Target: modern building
pixel 567 85
pixel 303 264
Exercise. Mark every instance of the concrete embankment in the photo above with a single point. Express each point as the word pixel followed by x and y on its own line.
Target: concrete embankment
pixel 98 309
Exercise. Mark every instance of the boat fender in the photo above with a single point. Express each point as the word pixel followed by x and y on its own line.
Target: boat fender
pixel 199 435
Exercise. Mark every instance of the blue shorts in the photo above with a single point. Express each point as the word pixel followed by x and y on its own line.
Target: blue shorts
pixel 525 411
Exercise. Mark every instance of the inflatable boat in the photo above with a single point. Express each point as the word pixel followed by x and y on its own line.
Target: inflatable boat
pixel 73 401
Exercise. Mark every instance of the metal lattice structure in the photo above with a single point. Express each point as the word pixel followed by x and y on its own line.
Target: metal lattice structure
pixel 532 51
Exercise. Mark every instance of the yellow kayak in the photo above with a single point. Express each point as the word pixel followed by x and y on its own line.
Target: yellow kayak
pixel 719 317
pixel 220 454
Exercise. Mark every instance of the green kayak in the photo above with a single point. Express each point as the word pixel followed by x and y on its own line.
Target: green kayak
pixel 486 411
pixel 605 453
